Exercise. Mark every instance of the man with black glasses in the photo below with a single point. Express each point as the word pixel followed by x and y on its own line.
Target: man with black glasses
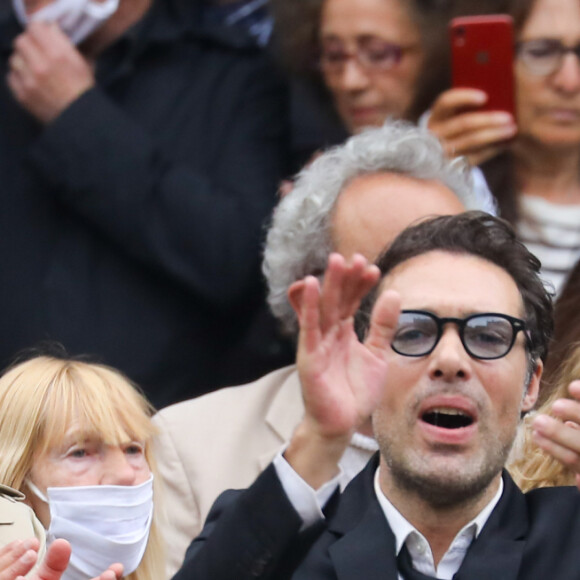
pixel 451 359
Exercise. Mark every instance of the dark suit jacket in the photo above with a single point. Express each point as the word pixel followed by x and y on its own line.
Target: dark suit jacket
pixel 254 534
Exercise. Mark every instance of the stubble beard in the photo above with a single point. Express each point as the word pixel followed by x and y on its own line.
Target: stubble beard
pixel 464 482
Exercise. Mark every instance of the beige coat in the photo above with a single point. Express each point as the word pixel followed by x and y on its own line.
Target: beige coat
pixel 220 441
pixel 17 520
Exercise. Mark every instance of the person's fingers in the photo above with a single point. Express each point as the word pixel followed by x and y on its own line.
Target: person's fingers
pixel 48 38
pixel 17 63
pixel 574 389
pixel 475 142
pixel 478 124
pixel 564 455
pixel 55 561
pixel 17 547
pixel 558 439
pixel 310 334
pixel 567 410
pixel 115 572
pixel 331 302
pixel 26 47
pixel 17 558
pixel 117 569
pixel 383 323
pixel 364 277
pixel 14 81
pixel 454 101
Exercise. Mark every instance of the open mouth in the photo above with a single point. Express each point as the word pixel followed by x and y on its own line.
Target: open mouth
pixel 447 418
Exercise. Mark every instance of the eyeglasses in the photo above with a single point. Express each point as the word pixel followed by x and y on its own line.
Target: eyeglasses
pixel 484 336
pixel 371 53
pixel 544 56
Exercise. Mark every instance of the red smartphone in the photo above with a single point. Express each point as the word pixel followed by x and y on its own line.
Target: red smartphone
pixel 482 57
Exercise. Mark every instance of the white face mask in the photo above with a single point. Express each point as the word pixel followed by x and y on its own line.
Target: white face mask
pixel 76 18
pixel 104 524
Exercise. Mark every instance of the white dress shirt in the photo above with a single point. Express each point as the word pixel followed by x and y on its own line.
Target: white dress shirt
pixel 419 548
pixel 309 503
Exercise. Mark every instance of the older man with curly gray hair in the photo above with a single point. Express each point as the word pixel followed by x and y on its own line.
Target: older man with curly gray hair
pixel 353 199
pixel 302 235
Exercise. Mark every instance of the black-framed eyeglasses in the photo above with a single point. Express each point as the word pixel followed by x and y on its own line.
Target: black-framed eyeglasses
pixel 484 336
pixel 544 56
pixel 372 53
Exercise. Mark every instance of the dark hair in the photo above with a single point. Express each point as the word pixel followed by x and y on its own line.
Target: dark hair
pixel 296 41
pixel 493 239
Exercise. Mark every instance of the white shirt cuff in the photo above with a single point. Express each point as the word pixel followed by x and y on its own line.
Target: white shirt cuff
pixel 307 501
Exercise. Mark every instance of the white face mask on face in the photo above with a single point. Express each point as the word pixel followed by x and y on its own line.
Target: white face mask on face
pixel 104 524
pixel 78 19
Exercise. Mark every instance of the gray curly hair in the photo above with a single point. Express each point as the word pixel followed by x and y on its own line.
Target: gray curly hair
pixel 299 238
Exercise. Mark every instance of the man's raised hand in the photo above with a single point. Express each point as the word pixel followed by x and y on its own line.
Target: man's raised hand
pixel 342 379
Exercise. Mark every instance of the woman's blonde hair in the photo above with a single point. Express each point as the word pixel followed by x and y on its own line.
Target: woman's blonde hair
pixel 534 467
pixel 42 397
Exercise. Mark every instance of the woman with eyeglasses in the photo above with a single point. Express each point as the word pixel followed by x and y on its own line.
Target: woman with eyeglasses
pixel 373 57
pixel 532 163
pixel 371 60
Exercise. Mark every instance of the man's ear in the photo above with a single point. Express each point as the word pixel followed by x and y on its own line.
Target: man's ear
pixel 295 293
pixel 533 390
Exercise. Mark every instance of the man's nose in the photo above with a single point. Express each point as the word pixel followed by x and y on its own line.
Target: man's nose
pixel 449 360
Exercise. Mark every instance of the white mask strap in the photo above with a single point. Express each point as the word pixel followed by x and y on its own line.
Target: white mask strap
pixel 36 491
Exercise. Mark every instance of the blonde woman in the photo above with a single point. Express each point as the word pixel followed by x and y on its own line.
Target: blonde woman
pixel 534 466
pixel 75 438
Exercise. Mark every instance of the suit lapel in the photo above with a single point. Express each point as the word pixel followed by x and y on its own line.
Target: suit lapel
pixel 367 546
pixel 367 551
pixel 497 552
pixel 284 413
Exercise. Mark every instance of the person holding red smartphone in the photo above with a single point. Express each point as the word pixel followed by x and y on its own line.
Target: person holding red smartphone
pixel 532 167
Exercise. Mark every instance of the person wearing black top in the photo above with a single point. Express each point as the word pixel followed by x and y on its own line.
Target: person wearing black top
pixel 137 169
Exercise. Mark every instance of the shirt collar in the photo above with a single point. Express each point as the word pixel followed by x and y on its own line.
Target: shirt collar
pixel 402 529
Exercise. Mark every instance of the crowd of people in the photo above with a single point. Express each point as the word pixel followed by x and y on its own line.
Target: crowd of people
pixel 291 195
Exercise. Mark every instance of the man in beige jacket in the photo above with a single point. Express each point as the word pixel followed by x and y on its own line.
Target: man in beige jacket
pixel 353 198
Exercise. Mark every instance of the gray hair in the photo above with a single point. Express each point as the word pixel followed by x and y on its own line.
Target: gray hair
pixel 299 239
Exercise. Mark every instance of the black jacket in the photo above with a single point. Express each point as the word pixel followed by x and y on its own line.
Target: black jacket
pixel 131 226
pixel 254 534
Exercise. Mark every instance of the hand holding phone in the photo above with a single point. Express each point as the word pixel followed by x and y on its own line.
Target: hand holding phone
pixel 475 119
pixel 482 56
